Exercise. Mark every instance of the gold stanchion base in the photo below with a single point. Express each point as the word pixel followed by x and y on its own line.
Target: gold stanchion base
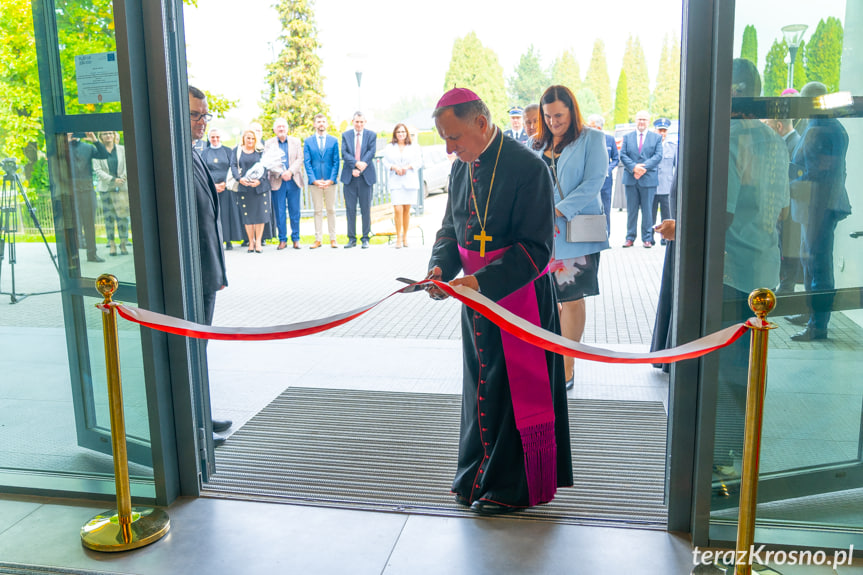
pixel 104 532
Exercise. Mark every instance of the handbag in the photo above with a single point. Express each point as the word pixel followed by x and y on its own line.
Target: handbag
pixel 583 228
pixel 231 183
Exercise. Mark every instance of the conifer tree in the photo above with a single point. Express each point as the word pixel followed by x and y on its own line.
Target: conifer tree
pixel 666 96
pixel 295 89
pixel 597 77
pixel 749 48
pixel 566 72
pixel 476 67
pixel 824 54
pixel 529 79
pixel 636 75
pixel 775 77
pixel 621 100
pixel 587 102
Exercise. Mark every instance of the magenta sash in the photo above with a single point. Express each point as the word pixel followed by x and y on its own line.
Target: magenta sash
pixel 529 386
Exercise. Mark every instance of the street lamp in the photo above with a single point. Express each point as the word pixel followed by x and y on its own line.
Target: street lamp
pixel 272 46
pixel 359 90
pixel 793 34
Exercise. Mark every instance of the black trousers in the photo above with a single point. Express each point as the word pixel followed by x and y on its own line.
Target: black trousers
pixel 358 190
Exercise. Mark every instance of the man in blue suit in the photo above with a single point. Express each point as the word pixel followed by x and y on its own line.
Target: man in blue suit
pixel 640 155
pixel 358 176
pixel 596 122
pixel 321 157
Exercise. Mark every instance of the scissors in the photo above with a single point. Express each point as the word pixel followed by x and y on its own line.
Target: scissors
pixel 411 288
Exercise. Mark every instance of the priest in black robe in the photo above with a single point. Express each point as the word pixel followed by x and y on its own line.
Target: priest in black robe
pixel 514 447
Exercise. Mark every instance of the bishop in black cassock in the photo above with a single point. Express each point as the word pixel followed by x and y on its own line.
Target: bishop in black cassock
pixel 514 448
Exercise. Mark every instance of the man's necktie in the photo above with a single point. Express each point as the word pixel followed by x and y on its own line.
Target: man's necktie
pixel 357 148
pixel 321 144
pixel 640 140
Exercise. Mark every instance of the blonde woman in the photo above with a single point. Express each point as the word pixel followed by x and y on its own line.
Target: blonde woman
pixel 402 160
pixel 253 192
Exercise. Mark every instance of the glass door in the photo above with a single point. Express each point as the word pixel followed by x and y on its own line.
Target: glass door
pixel 793 213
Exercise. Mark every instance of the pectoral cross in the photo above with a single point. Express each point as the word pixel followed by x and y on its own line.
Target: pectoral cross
pixel 482 237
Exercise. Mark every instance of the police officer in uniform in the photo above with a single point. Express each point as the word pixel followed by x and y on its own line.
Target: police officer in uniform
pixel 516 121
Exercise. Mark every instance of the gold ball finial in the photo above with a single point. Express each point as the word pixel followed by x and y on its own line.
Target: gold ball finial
pixel 107 285
pixel 762 301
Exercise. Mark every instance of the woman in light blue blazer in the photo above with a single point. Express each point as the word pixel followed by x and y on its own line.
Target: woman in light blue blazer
pixel 578 161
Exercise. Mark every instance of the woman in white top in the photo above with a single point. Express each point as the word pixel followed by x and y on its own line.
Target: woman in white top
pixel 402 160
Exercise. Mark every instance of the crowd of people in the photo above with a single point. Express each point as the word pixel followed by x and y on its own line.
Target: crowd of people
pixel 268 177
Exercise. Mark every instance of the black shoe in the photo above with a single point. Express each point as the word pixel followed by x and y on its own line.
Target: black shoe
pixel 462 500
pixel 229 246
pixel 218 440
pixel 220 425
pixel 365 244
pixel 809 334
pixel 351 244
pixel 570 383
pixel 489 508
pixel 245 244
pixel 799 319
pixel 94 258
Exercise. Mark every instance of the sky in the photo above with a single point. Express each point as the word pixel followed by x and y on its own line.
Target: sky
pixel 403 48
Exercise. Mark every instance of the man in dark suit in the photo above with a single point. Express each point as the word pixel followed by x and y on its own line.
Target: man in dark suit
pixel 321 156
pixel 358 176
pixel 819 201
pixel 210 252
pixel 596 122
pixel 516 122
pixel 640 155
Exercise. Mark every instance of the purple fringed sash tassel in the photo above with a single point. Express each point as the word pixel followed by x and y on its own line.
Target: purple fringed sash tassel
pixel 529 386
pixel 540 462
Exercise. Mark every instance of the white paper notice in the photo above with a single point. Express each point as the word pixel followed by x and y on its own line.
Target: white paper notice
pixel 97 77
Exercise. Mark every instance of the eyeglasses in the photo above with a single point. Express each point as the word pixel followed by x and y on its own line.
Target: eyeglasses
pixel 196 116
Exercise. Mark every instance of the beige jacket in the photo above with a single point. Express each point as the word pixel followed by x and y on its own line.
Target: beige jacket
pixel 294 162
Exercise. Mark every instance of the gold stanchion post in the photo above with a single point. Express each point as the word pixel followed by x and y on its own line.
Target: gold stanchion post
pixel 126 527
pixel 761 302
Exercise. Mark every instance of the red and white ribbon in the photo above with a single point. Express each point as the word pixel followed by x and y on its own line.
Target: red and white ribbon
pixel 502 318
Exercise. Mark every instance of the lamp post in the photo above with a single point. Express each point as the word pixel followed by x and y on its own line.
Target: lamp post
pixel 272 46
pixel 359 89
pixel 793 34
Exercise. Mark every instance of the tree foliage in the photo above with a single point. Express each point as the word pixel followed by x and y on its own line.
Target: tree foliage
pixel 566 72
pixel 621 100
pixel 295 88
pixel 476 67
pixel 775 77
pixel 637 80
pixel 749 48
pixel 20 100
pixel 529 80
pixel 597 77
pixel 824 54
pixel 587 102
pixel 666 96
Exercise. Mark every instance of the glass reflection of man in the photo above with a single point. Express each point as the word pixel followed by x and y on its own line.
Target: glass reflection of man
pixel 83 149
pixel 757 193
pixel 819 201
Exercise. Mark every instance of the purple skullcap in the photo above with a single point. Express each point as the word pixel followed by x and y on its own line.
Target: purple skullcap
pixel 456 96
pixel 789 92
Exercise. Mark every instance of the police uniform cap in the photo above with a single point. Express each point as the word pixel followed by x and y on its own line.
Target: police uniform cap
pixel 662 124
pixel 516 111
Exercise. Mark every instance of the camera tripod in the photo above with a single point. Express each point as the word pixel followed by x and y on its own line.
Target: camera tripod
pixel 9 225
